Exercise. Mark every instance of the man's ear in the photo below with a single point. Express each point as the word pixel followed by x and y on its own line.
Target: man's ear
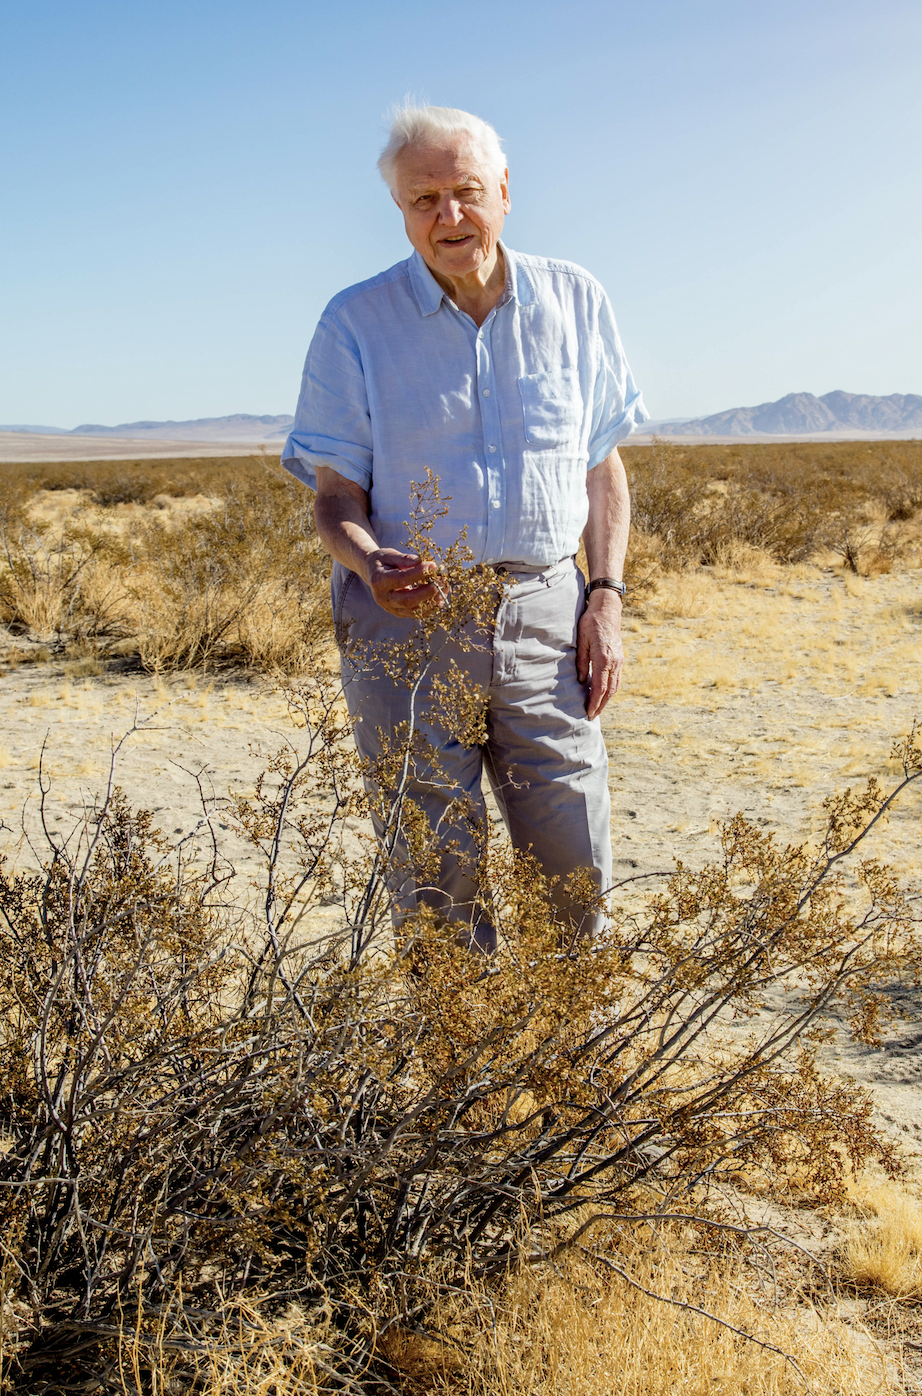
pixel 394 197
pixel 504 186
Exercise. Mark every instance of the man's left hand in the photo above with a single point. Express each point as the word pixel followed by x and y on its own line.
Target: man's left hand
pixel 599 652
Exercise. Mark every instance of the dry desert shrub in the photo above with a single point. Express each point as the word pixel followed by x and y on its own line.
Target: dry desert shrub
pixel 693 505
pixel 61 583
pixel 245 582
pixel 244 1141
pixel 242 581
pixel 111 482
pixel 240 1155
pixel 697 517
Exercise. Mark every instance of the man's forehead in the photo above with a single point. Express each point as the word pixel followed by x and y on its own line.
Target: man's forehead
pixel 443 180
pixel 425 167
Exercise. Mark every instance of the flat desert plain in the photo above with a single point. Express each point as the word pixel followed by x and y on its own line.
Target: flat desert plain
pixel 760 692
pixel 34 447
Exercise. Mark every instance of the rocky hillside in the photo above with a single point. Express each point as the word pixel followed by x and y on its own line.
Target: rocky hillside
pixel 802 413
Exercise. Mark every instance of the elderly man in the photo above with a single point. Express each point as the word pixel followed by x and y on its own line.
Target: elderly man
pixel 504 374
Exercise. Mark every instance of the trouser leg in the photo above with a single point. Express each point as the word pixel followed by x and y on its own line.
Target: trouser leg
pixel 546 761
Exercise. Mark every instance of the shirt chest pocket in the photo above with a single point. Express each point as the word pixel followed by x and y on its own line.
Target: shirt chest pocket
pixel 552 406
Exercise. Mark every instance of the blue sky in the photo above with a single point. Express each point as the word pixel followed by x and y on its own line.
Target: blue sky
pixel 186 183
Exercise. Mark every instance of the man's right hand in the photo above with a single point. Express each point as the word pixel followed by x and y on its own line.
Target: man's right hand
pixel 398 581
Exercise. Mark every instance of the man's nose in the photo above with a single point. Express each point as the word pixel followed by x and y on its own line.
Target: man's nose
pixel 449 211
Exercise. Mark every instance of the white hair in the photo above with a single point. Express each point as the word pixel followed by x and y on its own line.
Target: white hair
pixel 413 125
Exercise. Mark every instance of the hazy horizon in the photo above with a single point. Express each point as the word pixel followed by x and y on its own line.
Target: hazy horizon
pixel 279 420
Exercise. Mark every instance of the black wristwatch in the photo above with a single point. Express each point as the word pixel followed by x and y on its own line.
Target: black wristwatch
pixel 608 583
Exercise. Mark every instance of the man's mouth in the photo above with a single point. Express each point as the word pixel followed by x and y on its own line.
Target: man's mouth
pixel 456 241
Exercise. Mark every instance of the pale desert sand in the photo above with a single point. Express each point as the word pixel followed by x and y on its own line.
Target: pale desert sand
pixel 761 694
pixel 765 697
pixel 23 446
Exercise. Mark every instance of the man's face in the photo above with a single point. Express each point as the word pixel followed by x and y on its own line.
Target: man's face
pixel 453 206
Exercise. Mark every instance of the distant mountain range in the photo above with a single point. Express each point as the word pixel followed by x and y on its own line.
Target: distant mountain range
pixel 798 414
pixel 239 427
pixel 803 414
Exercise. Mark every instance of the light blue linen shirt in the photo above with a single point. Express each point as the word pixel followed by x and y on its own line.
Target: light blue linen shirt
pixel 510 416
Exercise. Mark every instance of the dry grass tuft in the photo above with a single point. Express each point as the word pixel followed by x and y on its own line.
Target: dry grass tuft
pixel 567 1331
pixel 256 1352
pixel 581 1333
pixel 883 1248
pixel 680 595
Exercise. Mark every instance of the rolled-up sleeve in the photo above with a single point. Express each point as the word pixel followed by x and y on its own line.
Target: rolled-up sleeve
pixel 332 425
pixel 618 407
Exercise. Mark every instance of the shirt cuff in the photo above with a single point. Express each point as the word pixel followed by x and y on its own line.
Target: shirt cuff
pixel 634 415
pixel 301 461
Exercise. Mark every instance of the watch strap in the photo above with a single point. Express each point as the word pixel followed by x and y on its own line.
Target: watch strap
pixel 608 583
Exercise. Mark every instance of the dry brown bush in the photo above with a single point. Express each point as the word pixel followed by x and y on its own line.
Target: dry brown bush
pixel 791 500
pixel 61 583
pixel 246 582
pixel 133 481
pixel 241 1152
pixel 242 581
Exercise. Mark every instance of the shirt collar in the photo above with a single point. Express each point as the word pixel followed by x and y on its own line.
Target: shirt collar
pixel 518 282
pixel 429 294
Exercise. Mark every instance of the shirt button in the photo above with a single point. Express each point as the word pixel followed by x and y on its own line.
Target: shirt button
pixel 492 450
pixel 486 392
pixel 495 503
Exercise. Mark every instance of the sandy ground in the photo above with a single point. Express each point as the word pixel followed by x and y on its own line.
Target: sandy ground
pixel 761 694
pixel 765 696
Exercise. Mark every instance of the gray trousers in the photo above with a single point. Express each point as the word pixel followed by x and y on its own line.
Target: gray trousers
pixel 546 762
